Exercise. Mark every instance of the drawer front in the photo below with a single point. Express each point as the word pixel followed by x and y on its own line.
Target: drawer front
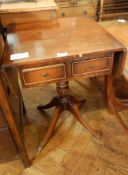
pixel 72 11
pixel 91 66
pixel 43 74
pixel 27 17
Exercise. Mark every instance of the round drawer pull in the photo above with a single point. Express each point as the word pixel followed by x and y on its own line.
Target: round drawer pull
pixel 92 66
pixel 45 74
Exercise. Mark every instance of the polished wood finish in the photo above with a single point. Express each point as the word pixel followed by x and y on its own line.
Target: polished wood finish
pixel 70 144
pixel 43 74
pixel 91 66
pixel 7 109
pixel 27 11
pixel 113 102
pixel 1 47
pixel 120 83
pixel 46 40
pixel 66 41
pixel 8 115
pixel 27 6
pixel 64 102
pixel 68 8
pixel 2 31
pixel 2 122
pixel 54 73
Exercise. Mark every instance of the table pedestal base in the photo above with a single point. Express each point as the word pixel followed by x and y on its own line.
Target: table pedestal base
pixel 64 102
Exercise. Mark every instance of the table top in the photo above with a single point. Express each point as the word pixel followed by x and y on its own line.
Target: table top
pixel 120 32
pixel 57 39
pixel 14 6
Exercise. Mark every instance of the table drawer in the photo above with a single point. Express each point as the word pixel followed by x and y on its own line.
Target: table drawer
pixel 91 66
pixel 42 74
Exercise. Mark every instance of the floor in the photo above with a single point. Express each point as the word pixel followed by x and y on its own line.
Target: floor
pixel 72 150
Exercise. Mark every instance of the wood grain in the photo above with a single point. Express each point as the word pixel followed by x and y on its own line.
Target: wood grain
pixel 28 6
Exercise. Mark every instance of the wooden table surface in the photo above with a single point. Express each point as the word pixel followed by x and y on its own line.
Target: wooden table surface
pixel 121 33
pixel 57 39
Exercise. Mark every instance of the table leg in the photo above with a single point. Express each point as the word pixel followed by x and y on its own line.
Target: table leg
pixel 112 102
pixel 76 113
pixel 120 91
pixel 51 104
pixel 65 101
pixel 5 106
pixel 57 112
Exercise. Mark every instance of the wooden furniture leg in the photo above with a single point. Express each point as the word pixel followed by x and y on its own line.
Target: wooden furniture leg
pixel 5 106
pixel 51 104
pixel 75 111
pixel 55 117
pixel 112 102
pixel 55 101
pixel 65 101
pixel 3 31
pixel 119 91
pixel 15 91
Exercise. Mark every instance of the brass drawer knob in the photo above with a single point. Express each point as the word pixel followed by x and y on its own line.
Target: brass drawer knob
pixel 45 75
pixel 92 66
